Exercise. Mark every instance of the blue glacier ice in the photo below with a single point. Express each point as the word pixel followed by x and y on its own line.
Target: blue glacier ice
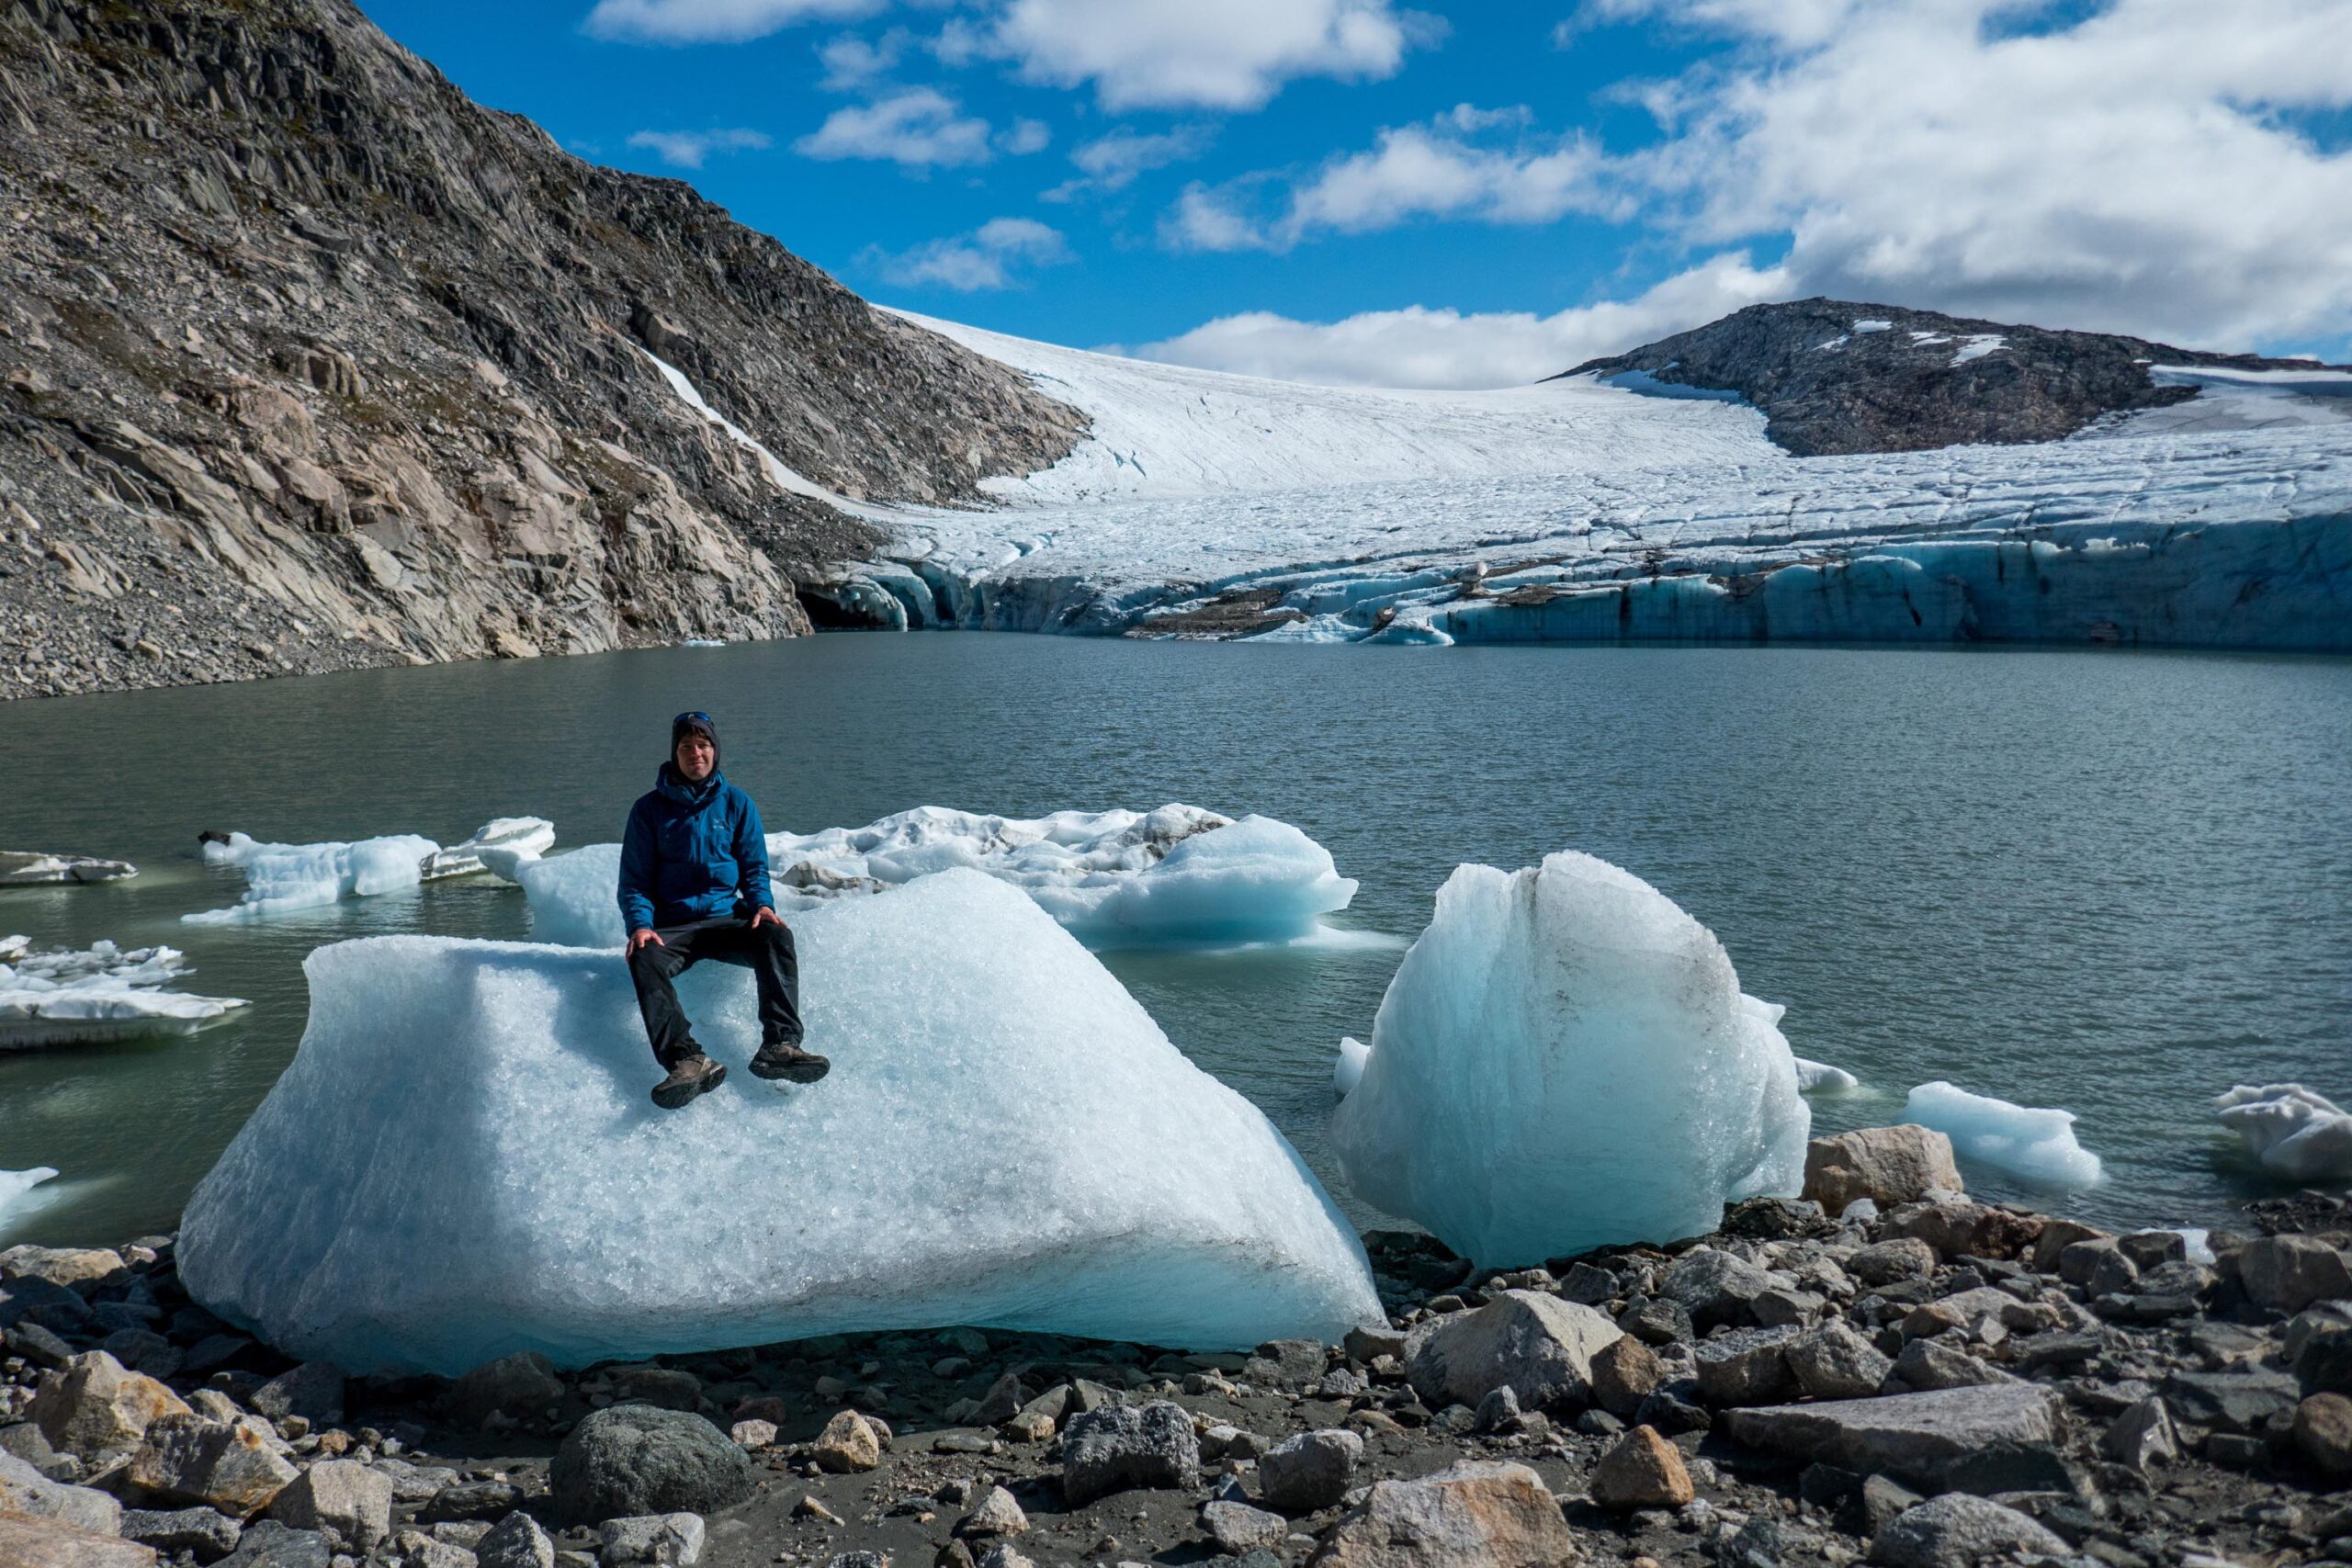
pixel 1564 1060
pixel 461 1160
pixel 2034 1146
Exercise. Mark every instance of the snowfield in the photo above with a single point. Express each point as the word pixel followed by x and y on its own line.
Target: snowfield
pixel 1210 504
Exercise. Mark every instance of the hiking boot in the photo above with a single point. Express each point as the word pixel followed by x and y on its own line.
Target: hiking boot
pixel 689 1076
pixel 785 1059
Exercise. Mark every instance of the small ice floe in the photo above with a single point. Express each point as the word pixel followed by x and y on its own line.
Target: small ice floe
pixel 2034 1146
pixel 703 642
pixel 279 877
pixel 1176 876
pixel 1820 1077
pixel 2293 1132
pixel 1564 1060
pixel 72 996
pixel 21 868
pixel 15 1187
pixel 1347 1068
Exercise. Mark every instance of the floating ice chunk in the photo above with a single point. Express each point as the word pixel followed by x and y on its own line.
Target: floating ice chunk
pixel 1347 1069
pixel 461 1160
pixel 1820 1077
pixel 2292 1131
pixel 68 997
pixel 25 867
pixel 1564 1060
pixel 1179 875
pixel 2034 1146
pixel 498 846
pixel 279 877
pixel 13 1186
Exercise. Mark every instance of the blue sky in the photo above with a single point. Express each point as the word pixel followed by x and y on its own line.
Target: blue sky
pixel 1362 191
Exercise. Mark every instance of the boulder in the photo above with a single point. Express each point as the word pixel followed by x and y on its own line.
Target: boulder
pixel 1538 1345
pixel 1625 1371
pixel 1926 1438
pixel 342 1499
pixel 51 1543
pixel 1957 1530
pixel 1237 1527
pixel 1472 1515
pixel 1884 1263
pixel 2230 1402
pixel 2287 1273
pixel 24 1490
pixel 1886 1164
pixel 1311 1471
pixel 996 1513
pixel 1835 1362
pixel 206 1532
pixel 515 1541
pixel 2055 1237
pixel 675 1538
pixel 271 1544
pixel 848 1444
pixel 521 1384
pixel 2323 1432
pixel 634 1460
pixel 97 1407
pixel 234 1466
pixel 1713 1286
pixel 1932 1364
pixel 1112 1450
pixel 1642 1470
pixel 72 1267
pixel 1964 1229
pixel 313 1391
pixel 1747 1366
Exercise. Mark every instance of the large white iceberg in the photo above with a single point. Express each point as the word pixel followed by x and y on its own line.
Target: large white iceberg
pixel 80 997
pixel 1177 875
pixel 462 1161
pixel 1564 1060
pixel 2033 1145
pixel 279 877
pixel 2294 1132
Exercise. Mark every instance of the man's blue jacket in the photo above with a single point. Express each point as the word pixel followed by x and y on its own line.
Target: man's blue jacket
pixel 692 851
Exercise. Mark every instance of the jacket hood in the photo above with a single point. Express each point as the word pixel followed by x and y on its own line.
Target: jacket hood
pixel 674 785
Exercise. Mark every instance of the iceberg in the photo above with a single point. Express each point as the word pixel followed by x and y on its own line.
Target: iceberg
pixel 2036 1147
pixel 13 1186
pixel 70 996
pixel 461 1161
pixel 1347 1071
pixel 1564 1060
pixel 279 877
pixel 2292 1131
pixel 1179 875
pixel 1820 1077
pixel 25 868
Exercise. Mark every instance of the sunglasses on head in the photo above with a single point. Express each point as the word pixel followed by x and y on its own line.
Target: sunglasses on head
pixel 690 718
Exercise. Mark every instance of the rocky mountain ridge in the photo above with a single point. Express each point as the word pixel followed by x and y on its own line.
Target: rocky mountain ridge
pixel 1833 376
pixel 309 362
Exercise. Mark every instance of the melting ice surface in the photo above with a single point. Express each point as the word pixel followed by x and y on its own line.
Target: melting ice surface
pixel 462 1161
pixel 2034 1146
pixel 1179 875
pixel 103 993
pixel 1564 1060
pixel 14 1187
pixel 2294 1132
pixel 279 877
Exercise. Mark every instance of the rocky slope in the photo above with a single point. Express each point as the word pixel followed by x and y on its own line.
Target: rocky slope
pixel 1835 377
pixel 309 362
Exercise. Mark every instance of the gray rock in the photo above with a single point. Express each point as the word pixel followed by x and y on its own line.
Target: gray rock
pixel 24 1490
pixel 1834 1361
pixel 998 1513
pixel 1589 1285
pixel 2230 1402
pixel 38 1346
pixel 468 1500
pixel 1957 1530
pixel 313 1391
pixel 2323 1432
pixel 1656 1321
pixel 1470 1515
pixel 1882 1262
pixel 1932 1364
pixel 1368 1345
pixel 1713 1286
pixel 25 1440
pixel 1538 1345
pixel 1311 1471
pixel 271 1544
pixel 342 1499
pixel 1886 1164
pixel 1919 1437
pixel 235 1467
pixel 144 1351
pixel 97 1407
pixel 207 1532
pixel 521 1384
pixel 1747 1366
pixel 674 1539
pixel 53 1307
pixel 2080 1261
pixel 2287 1273
pixel 1286 1363
pixel 635 1460
pixel 2142 1436
pixel 1237 1527
pixel 1150 1446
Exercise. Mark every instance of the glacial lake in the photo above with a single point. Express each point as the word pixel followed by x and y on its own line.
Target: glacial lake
pixel 2117 882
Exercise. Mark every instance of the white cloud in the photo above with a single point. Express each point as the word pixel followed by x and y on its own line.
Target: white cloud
pixel 688 149
pixel 1452 166
pixel 916 127
pixel 1226 54
pixel 988 257
pixel 852 63
pixel 706 21
pixel 1024 137
pixel 1420 347
pixel 1113 163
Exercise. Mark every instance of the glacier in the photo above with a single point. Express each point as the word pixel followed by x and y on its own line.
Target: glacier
pixel 462 1162
pixel 103 993
pixel 2292 1130
pixel 1177 875
pixel 281 877
pixel 2036 1147
pixel 1564 1060
pixel 1203 503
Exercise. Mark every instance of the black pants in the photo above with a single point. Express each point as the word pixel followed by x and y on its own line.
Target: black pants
pixel 766 951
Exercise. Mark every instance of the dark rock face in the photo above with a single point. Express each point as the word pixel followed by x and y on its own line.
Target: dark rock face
pixel 1905 387
pixel 628 1460
pixel 348 371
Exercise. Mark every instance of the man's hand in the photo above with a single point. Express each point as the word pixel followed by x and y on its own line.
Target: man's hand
pixel 763 916
pixel 642 937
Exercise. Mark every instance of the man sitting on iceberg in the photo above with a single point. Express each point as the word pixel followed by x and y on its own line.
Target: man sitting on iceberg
pixel 694 884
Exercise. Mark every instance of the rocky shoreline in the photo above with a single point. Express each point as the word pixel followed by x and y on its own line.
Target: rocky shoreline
pixel 1922 1380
